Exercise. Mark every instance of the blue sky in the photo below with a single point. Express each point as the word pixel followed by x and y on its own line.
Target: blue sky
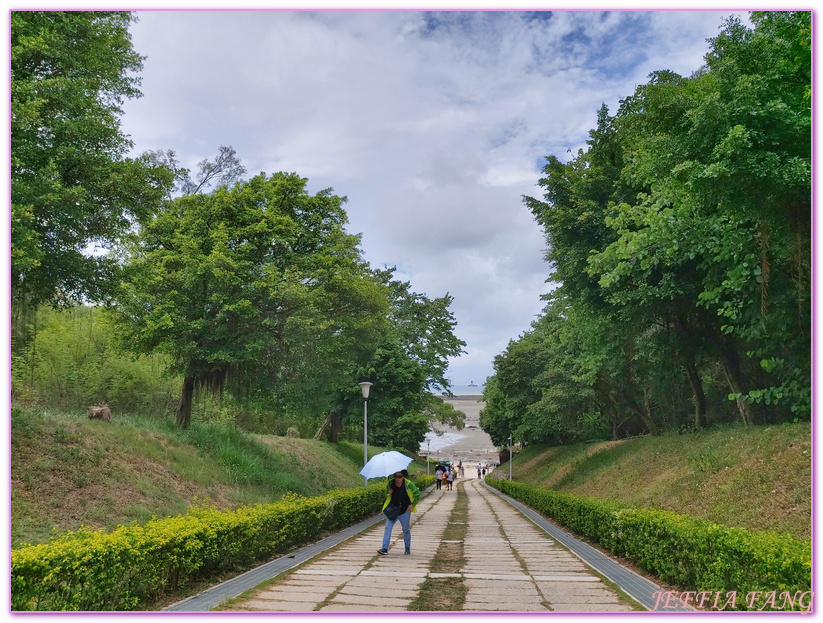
pixel 434 125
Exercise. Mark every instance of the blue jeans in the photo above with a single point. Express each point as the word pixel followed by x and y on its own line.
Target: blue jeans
pixel 405 518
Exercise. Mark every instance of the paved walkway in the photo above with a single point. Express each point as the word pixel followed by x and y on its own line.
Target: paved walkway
pixel 509 565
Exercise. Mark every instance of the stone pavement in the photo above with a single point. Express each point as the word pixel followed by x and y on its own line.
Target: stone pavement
pixel 510 565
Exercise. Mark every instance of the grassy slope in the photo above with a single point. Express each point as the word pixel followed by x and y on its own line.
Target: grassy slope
pixel 68 471
pixel 757 477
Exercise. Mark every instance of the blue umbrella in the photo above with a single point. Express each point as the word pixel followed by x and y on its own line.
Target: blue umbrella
pixel 384 464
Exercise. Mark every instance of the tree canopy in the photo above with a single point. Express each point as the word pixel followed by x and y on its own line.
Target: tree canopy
pixel 681 240
pixel 71 184
pixel 252 286
pixel 409 361
pixel 258 282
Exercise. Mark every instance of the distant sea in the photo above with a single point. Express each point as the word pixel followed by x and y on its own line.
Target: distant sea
pixel 462 390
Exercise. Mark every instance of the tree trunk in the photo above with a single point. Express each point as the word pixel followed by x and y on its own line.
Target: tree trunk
pixel 183 411
pixel 613 416
pixel 735 378
pixel 697 390
pixel 336 427
pixel 322 428
pixel 645 417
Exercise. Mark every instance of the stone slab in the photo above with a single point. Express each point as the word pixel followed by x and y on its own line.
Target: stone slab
pixel 288 595
pixel 336 607
pixel 498 576
pixel 567 577
pixel 502 602
pixel 589 607
pixel 309 580
pixel 280 606
pixel 501 608
pixel 391 574
pixel 336 571
pixel 371 600
pixel 401 593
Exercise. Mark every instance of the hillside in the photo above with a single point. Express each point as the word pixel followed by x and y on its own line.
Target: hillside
pixel 754 477
pixel 68 471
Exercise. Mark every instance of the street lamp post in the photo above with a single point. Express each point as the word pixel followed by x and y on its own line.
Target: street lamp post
pixel 364 387
pixel 510 458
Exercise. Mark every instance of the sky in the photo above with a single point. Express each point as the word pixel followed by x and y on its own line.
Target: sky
pixel 434 125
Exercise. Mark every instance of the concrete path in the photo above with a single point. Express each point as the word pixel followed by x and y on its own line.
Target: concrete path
pixel 509 565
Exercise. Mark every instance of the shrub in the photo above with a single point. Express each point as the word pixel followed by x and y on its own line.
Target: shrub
pixel 95 570
pixel 691 553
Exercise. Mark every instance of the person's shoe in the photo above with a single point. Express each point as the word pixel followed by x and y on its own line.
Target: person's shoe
pixel 382 551
pixel 407 551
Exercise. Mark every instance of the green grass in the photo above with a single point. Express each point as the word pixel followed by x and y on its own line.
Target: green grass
pixel 68 471
pixel 754 477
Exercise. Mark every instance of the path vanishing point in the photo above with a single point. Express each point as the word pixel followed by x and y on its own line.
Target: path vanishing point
pixel 509 559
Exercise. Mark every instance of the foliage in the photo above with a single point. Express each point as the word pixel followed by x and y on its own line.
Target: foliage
pixel 69 471
pixel 687 552
pixel 410 359
pixel 257 286
pixel 73 359
pixel 754 477
pixel 94 570
pixel 680 241
pixel 71 185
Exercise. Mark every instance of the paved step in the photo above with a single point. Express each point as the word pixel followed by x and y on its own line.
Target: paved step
pixel 511 564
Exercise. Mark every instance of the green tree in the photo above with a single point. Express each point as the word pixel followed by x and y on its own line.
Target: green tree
pixel 255 286
pixel 71 184
pixel 680 242
pixel 410 360
pixel 725 227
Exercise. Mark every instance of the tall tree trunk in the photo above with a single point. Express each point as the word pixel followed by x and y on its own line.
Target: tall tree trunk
pixel 689 343
pixel 183 411
pixel 762 236
pixel 611 410
pixel 645 417
pixel 336 427
pixel 649 420
pixel 735 378
pixel 697 390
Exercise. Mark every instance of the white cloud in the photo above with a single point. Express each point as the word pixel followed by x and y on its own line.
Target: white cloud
pixel 433 126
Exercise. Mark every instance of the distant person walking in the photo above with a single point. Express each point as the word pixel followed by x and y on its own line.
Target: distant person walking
pixel 443 476
pixel 450 478
pixel 484 472
pixel 438 475
pixel 478 470
pixel 401 501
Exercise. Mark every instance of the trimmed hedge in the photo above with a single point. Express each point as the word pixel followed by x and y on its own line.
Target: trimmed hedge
pixel 134 564
pixel 685 551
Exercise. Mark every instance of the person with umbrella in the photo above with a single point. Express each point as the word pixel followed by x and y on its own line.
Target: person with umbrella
pixel 402 496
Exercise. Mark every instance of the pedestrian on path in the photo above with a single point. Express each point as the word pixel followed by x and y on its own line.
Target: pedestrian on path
pixel 402 493
pixel 478 470
pixel 450 478
pixel 443 476
pixel 438 475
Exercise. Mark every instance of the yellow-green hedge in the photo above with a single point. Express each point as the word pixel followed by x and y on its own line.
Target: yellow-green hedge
pixel 685 551
pixel 134 564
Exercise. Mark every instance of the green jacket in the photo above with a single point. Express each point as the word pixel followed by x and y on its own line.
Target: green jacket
pixel 411 490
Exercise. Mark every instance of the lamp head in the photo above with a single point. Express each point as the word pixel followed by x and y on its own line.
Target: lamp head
pixel 364 387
